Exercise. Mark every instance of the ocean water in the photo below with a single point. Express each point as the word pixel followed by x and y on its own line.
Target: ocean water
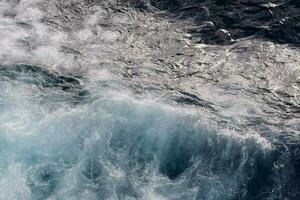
pixel 149 100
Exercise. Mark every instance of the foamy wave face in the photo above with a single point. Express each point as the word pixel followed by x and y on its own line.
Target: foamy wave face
pixel 114 147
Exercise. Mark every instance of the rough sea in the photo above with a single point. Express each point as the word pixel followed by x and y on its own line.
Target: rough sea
pixel 149 100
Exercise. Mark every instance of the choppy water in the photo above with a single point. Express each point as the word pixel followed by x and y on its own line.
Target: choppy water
pixel 149 100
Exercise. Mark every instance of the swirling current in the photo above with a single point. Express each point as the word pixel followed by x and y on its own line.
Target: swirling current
pixel 149 100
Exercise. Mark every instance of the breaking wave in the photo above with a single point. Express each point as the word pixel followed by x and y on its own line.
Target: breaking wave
pixel 123 100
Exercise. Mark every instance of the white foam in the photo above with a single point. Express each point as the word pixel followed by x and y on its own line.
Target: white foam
pixel 13 184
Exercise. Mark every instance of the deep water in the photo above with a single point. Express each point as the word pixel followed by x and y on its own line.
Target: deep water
pixel 125 100
pixel 276 20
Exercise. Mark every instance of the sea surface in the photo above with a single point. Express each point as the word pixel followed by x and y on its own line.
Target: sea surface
pixel 149 100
